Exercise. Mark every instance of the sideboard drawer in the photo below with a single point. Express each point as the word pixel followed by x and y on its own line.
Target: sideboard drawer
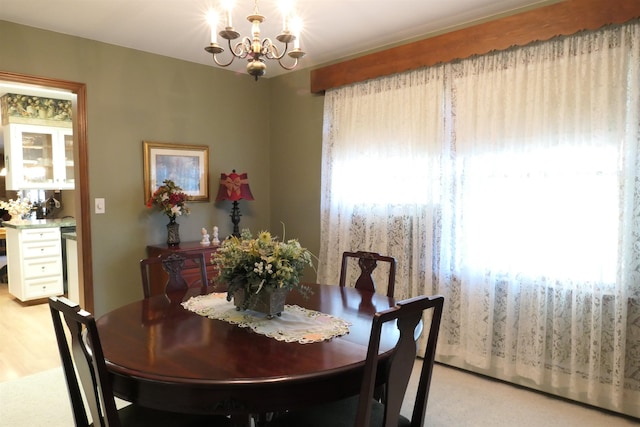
pixel 41 249
pixel 42 267
pixel 40 234
pixel 45 287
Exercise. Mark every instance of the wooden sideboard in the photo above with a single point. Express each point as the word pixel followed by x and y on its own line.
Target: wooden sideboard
pixel 158 277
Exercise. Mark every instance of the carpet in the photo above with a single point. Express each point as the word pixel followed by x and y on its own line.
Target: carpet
pixel 39 400
pixel 457 399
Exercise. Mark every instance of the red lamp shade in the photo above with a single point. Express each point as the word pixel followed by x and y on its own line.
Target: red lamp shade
pixel 234 187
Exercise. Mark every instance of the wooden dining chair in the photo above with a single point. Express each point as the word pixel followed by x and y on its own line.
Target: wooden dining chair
pixel 173 264
pixel 81 353
pixel 365 411
pixel 368 261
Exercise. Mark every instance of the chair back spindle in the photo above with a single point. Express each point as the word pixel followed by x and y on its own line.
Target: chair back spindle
pixel 368 262
pixel 173 264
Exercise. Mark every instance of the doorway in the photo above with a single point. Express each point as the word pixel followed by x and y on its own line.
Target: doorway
pixel 82 207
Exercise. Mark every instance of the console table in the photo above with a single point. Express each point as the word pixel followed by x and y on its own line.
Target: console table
pixel 158 277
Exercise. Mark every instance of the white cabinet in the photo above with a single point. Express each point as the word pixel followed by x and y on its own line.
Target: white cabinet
pixel 38 157
pixel 34 262
pixel 73 283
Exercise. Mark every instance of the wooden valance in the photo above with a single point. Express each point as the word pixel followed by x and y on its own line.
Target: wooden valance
pixel 563 18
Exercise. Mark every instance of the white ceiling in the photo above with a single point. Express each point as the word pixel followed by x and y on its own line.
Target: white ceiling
pixel 333 29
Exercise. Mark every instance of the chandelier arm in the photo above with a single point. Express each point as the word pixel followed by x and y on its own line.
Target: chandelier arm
pixel 288 68
pixel 215 59
pixel 271 51
pixel 242 48
pixel 241 54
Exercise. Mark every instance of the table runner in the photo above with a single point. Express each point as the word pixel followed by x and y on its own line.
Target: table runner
pixel 296 324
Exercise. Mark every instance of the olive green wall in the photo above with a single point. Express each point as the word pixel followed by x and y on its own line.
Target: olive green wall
pixel 296 152
pixel 134 96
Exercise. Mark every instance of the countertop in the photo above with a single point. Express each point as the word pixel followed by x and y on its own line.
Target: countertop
pixel 40 223
pixel 72 235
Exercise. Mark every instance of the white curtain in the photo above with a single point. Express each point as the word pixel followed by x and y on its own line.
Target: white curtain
pixel 381 173
pixel 509 183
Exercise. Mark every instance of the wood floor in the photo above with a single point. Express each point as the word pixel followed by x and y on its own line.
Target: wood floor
pixel 27 340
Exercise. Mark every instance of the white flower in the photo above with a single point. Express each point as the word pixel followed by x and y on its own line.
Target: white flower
pixel 258 268
pixel 16 207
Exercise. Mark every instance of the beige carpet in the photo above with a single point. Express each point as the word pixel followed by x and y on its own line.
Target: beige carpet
pixel 457 399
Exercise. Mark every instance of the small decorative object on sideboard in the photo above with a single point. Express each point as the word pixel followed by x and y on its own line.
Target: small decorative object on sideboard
pixel 170 199
pixel 215 240
pixel 260 271
pixel 205 237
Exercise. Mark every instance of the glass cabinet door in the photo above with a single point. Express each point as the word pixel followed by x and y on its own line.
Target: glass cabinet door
pixel 37 157
pixel 68 158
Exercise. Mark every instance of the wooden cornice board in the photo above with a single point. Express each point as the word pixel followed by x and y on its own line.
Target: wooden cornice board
pixel 563 18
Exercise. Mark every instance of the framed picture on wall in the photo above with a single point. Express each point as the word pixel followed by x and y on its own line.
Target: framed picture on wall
pixel 186 165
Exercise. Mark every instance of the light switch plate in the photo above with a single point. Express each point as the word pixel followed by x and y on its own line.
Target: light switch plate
pixel 99 205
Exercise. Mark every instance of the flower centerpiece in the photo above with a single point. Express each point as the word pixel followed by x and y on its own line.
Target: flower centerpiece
pixel 171 201
pixel 260 271
pixel 17 208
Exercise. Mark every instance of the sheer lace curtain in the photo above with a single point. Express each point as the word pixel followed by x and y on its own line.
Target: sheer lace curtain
pixel 380 175
pixel 509 184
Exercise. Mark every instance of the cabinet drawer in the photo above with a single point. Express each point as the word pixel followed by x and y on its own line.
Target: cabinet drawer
pixel 40 288
pixel 41 249
pixel 41 267
pixel 40 234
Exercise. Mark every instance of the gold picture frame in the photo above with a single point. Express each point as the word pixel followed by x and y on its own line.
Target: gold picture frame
pixel 186 165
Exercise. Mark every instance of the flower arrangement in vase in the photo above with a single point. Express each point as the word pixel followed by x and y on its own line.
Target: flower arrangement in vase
pixel 17 208
pixel 260 269
pixel 171 201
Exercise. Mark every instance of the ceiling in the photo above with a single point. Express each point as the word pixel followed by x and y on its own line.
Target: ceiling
pixel 332 29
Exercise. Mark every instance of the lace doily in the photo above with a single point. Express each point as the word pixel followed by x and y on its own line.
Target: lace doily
pixel 296 324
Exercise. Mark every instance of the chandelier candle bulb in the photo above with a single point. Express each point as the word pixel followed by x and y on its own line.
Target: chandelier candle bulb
pixel 212 17
pixel 229 22
pixel 296 30
pixel 286 7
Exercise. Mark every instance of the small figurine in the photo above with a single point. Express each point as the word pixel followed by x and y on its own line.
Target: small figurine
pixel 215 240
pixel 205 237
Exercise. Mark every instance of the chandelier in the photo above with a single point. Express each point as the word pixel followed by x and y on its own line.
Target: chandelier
pixel 253 48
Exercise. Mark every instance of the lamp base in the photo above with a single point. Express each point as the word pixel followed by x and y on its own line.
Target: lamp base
pixel 235 218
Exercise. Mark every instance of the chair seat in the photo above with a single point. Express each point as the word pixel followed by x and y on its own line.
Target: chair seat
pixel 326 415
pixel 134 415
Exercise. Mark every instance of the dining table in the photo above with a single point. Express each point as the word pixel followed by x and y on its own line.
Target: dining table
pixel 163 353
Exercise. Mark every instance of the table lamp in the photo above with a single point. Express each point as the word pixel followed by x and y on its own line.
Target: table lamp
pixel 234 187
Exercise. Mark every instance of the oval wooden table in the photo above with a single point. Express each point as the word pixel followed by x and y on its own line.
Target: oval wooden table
pixel 164 356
